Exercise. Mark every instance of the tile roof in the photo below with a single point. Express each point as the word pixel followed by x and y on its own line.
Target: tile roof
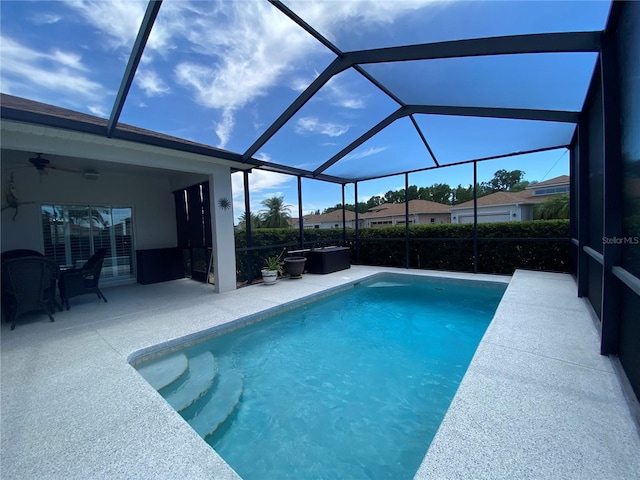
pixel 415 207
pixel 552 181
pixel 524 197
pixel 334 216
pixel 19 109
pixel 503 198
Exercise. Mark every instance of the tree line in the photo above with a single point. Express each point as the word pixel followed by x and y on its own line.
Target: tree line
pixel 502 181
pixel 276 214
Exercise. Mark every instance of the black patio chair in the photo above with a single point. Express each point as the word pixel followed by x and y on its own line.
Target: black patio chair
pixel 28 285
pixel 20 253
pixel 83 280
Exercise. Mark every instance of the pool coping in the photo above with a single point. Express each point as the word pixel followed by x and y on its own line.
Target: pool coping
pixel 538 400
pixel 117 426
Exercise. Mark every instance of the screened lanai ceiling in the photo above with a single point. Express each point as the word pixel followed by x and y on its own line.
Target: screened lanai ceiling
pixel 341 91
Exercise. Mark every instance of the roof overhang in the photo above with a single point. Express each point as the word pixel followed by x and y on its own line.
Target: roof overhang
pixel 29 137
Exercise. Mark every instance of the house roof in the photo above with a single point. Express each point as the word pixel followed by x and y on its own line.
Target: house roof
pixel 561 180
pixel 22 109
pixel 507 198
pixel 503 198
pixel 415 207
pixel 334 216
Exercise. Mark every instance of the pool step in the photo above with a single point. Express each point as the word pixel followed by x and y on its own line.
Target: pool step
pixel 221 404
pixel 200 376
pixel 165 371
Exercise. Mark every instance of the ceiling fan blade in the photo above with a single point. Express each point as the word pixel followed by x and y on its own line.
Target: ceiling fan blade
pixel 65 169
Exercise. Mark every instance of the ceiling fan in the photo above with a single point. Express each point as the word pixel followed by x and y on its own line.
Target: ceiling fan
pixel 43 166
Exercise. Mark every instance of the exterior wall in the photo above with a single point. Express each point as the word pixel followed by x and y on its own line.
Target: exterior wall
pixel 223 239
pixel 150 198
pixel 323 225
pixel 526 212
pixel 326 225
pixel 498 213
pixel 414 219
pixel 439 218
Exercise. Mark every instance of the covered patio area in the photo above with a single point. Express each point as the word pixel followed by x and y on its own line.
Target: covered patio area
pixel 538 401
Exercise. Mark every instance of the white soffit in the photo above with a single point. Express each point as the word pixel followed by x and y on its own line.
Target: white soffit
pixel 50 140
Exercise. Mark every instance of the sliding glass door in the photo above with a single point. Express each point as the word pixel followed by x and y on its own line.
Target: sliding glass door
pixel 72 233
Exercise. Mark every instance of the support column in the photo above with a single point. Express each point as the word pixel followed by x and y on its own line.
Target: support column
pixel 475 217
pixel 406 221
pixel 300 225
pixel 247 216
pixel 612 222
pixel 582 206
pixel 222 230
pixel 355 189
pixel 344 220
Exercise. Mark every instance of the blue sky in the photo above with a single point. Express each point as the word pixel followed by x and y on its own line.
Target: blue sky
pixel 220 72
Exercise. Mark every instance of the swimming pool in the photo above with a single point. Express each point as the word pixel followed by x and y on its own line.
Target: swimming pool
pixel 354 385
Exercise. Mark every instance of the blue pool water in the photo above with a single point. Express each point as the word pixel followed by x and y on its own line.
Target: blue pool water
pixel 352 386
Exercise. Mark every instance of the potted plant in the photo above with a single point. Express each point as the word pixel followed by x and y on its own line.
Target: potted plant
pixel 272 268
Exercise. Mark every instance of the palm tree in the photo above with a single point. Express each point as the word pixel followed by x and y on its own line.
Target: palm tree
pixel 556 207
pixel 255 220
pixel 276 214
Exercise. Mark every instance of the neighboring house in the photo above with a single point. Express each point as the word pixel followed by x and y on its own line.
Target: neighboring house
pixel 326 220
pixel 421 212
pixel 510 206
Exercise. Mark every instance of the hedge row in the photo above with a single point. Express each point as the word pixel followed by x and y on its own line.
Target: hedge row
pixel 502 247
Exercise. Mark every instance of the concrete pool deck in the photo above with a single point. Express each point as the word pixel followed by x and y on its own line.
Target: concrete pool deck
pixel 538 401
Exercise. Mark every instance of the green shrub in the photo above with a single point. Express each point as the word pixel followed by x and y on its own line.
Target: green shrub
pixel 502 247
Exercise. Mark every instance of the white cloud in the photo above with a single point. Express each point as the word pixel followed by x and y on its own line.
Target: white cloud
pixel 119 19
pixel 46 18
pixel 326 16
pixel 335 90
pixel 232 53
pixel 300 84
pixel 313 125
pixel 366 153
pixel 69 59
pixel 265 157
pixel 262 184
pixel 58 72
pixel 353 103
pixel 98 110
pixel 253 49
pixel 341 96
pixel 151 83
pixel 224 127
